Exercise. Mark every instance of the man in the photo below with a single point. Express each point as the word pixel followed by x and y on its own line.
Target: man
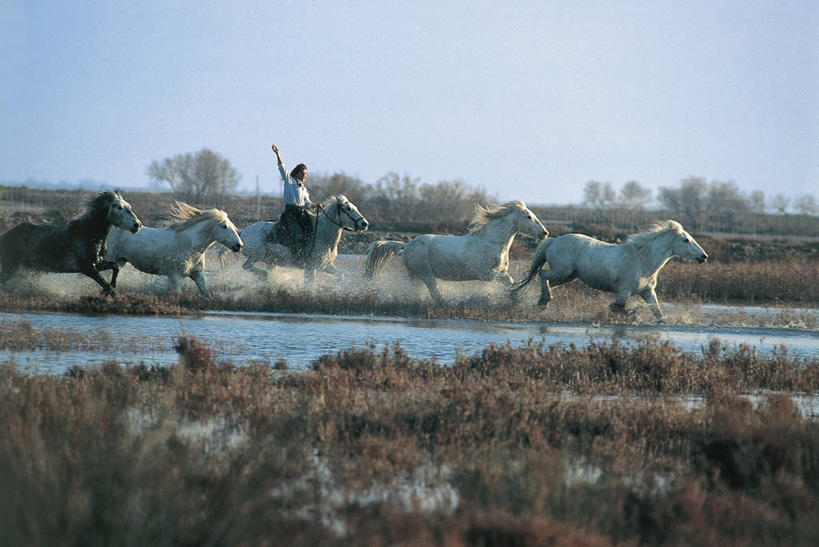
pixel 296 220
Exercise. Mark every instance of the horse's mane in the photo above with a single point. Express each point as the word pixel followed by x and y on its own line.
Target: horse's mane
pixel 484 213
pixel 185 216
pixel 96 209
pixel 98 203
pixel 642 241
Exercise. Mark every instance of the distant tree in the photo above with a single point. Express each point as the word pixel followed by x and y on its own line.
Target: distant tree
pixel 451 200
pixel 323 186
pixel 725 201
pixel 779 203
pixel 756 201
pixel 690 200
pixel 196 175
pixel 806 205
pixel 599 195
pixel 634 196
pixel 403 190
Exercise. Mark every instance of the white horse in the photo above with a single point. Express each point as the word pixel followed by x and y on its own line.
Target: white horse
pixel 624 269
pixel 340 215
pixel 482 254
pixel 176 251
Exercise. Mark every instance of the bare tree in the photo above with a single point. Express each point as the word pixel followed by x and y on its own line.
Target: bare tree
pixel 633 195
pixel 690 199
pixel 599 195
pixel 779 203
pixel 725 201
pixel 756 201
pixel 199 175
pixel 322 186
pixel 806 205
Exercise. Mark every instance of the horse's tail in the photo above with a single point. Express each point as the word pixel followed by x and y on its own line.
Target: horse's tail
pixel 380 254
pixel 538 260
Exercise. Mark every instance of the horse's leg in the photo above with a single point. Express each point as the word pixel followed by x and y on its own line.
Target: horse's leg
pixel 199 278
pixel 173 283
pixel 334 271
pixel 650 296
pixel 506 280
pixel 552 278
pixel 113 266
pixel 432 284
pixel 619 304
pixel 107 289
pixel 9 267
pixel 250 266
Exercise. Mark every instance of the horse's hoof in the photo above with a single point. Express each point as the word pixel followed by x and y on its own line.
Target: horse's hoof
pixel 543 302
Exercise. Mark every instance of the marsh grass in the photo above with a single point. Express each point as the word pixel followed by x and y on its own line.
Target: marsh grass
pixel 370 446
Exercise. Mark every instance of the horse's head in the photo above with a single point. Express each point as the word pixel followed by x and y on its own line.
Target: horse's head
pixel 120 213
pixel 345 214
pixel 685 246
pixel 227 234
pixel 529 224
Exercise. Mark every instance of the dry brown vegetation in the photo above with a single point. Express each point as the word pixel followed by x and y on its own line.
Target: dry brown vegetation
pixel 372 447
pixel 523 446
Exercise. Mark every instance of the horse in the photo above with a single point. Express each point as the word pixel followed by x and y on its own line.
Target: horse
pixel 625 268
pixel 481 254
pixel 331 221
pixel 176 251
pixel 75 247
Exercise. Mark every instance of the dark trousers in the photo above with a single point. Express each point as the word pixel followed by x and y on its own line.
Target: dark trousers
pixel 298 223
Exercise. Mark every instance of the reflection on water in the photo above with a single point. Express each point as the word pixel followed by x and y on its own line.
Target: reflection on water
pixel 300 339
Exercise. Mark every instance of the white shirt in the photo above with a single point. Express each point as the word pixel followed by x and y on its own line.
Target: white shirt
pixel 295 192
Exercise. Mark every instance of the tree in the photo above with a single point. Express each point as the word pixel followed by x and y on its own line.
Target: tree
pixel 779 203
pixel 323 186
pixel 756 201
pixel 689 199
pixel 634 196
pixel 199 175
pixel 806 205
pixel 599 195
pixel 725 201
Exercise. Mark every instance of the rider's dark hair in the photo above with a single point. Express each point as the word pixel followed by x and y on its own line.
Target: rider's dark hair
pixel 297 170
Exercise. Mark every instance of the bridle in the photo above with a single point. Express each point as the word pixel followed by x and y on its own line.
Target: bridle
pixel 339 210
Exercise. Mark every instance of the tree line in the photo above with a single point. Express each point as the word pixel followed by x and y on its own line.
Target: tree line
pixel 205 174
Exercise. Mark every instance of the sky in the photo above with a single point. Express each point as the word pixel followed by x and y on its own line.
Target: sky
pixel 527 100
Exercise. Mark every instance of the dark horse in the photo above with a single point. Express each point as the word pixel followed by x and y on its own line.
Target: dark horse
pixel 68 248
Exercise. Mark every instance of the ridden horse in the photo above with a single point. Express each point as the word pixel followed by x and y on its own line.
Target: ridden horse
pixel 75 247
pixel 176 251
pixel 341 214
pixel 624 268
pixel 482 254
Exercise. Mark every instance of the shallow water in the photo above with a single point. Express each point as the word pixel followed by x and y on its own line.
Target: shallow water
pixel 300 339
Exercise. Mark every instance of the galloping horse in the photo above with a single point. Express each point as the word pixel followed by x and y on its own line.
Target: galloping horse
pixel 482 254
pixel 68 248
pixel 624 269
pixel 176 251
pixel 331 221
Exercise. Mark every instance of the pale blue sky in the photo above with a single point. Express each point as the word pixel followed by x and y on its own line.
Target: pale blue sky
pixel 527 99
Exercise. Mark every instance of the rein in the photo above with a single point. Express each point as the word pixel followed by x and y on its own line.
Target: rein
pixel 338 223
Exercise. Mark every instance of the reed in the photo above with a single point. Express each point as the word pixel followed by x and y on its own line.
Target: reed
pixel 369 446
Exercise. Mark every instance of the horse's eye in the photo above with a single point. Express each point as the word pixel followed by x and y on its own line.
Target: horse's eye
pixel 119 207
pixel 686 240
